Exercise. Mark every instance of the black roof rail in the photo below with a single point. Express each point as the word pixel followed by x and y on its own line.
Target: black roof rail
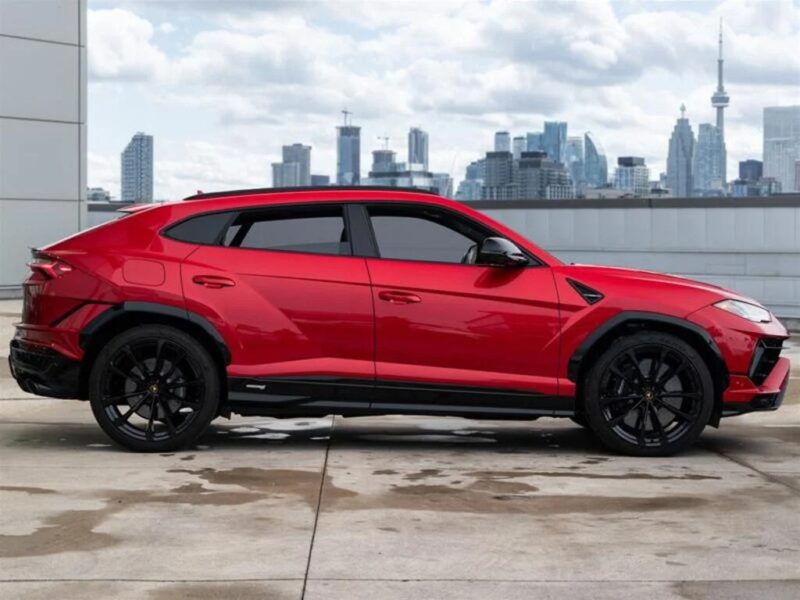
pixel 310 188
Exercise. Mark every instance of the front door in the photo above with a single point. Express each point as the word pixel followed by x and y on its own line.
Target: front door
pixel 479 334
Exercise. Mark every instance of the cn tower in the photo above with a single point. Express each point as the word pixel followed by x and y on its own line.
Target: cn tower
pixel 720 98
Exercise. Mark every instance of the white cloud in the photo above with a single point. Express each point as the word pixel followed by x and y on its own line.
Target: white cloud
pixel 460 68
pixel 120 47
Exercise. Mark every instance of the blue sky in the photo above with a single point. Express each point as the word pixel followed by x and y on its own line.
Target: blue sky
pixel 222 85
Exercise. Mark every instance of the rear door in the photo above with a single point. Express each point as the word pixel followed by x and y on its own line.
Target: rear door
pixel 293 303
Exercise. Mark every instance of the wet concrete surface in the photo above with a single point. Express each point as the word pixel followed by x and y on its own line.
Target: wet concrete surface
pixel 394 507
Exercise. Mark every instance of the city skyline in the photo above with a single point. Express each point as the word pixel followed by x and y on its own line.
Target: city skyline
pixel 220 129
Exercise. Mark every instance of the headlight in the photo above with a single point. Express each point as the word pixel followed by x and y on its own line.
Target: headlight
pixel 748 311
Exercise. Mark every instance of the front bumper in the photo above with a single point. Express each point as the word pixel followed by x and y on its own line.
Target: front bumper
pixel 743 396
pixel 43 371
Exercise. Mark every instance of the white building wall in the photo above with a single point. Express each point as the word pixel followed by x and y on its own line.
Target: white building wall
pixel 752 249
pixel 42 128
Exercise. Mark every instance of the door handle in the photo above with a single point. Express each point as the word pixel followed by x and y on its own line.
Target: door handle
pixel 399 297
pixel 213 282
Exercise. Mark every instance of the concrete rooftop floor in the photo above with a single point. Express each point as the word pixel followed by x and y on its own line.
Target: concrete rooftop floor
pixel 392 507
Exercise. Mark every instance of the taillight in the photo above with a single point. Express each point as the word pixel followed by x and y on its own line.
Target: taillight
pixel 49 266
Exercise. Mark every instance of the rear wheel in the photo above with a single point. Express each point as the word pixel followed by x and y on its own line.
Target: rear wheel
pixel 649 394
pixel 154 389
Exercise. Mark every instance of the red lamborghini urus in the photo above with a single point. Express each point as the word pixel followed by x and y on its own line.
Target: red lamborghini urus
pixel 364 301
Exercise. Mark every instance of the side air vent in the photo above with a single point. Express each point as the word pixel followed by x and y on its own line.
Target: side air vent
pixel 591 296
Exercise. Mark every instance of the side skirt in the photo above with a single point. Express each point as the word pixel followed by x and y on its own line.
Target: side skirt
pixel 297 397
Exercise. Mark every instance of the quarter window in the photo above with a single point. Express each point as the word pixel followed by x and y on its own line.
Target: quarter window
pixel 312 229
pixel 203 229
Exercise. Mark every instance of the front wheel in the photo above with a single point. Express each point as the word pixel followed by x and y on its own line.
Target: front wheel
pixel 649 394
pixel 154 388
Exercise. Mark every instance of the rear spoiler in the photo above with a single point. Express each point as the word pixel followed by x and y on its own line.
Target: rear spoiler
pixel 134 208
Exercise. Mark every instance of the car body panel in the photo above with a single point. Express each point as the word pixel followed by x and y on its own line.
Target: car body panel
pixel 468 325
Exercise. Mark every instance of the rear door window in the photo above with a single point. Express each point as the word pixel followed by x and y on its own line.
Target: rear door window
pixel 315 229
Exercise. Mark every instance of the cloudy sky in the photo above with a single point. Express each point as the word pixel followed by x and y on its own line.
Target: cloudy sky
pixel 222 85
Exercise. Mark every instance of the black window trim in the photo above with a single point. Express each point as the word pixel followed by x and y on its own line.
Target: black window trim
pixel 236 212
pixel 363 243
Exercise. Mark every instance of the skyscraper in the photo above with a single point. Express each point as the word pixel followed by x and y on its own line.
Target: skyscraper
pixel 534 142
pixel 417 148
pixel 575 164
pixel 285 174
pixel 443 184
pixel 300 154
pixel 632 175
pixel 348 152
pixel 679 158
pixel 751 170
pixel 539 176
pixel 719 101
pixel 782 145
pixel 596 164
pixel 136 163
pixel 518 146
pixel 499 176
pixel 708 162
pixel 502 141
pixel 554 140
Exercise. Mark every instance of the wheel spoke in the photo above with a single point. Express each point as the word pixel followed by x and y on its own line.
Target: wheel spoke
pixel 159 358
pixel 139 365
pixel 609 399
pixel 676 411
pixel 182 384
pixel 136 406
pixel 108 401
pixel 183 401
pixel 148 432
pixel 671 372
pixel 662 435
pixel 167 416
pixel 641 424
pixel 129 375
pixel 621 417
pixel 655 365
pixel 622 376
pixel 681 395
pixel 174 366
pixel 632 357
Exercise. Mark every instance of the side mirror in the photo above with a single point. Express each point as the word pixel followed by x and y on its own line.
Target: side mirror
pixel 500 252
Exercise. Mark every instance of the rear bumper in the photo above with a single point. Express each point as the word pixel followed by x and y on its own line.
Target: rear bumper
pixel 43 371
pixel 743 396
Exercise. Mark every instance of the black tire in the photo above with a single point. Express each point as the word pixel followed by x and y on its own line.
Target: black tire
pixel 648 394
pixel 579 419
pixel 154 388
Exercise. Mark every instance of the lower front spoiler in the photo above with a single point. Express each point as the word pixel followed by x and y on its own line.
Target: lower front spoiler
pixel 43 371
pixel 766 397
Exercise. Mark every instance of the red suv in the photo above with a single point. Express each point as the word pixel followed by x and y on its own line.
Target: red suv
pixel 365 301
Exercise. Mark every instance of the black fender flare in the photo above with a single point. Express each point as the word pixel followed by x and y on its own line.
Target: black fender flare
pixel 126 308
pixel 637 317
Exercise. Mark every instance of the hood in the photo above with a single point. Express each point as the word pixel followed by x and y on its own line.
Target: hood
pixel 674 290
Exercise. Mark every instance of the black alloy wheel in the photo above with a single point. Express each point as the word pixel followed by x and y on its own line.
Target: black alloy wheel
pixel 154 388
pixel 649 394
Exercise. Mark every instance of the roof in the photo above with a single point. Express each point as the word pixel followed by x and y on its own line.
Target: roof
pixel 312 188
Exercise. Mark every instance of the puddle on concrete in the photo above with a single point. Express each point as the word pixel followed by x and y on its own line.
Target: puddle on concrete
pixel 74 530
